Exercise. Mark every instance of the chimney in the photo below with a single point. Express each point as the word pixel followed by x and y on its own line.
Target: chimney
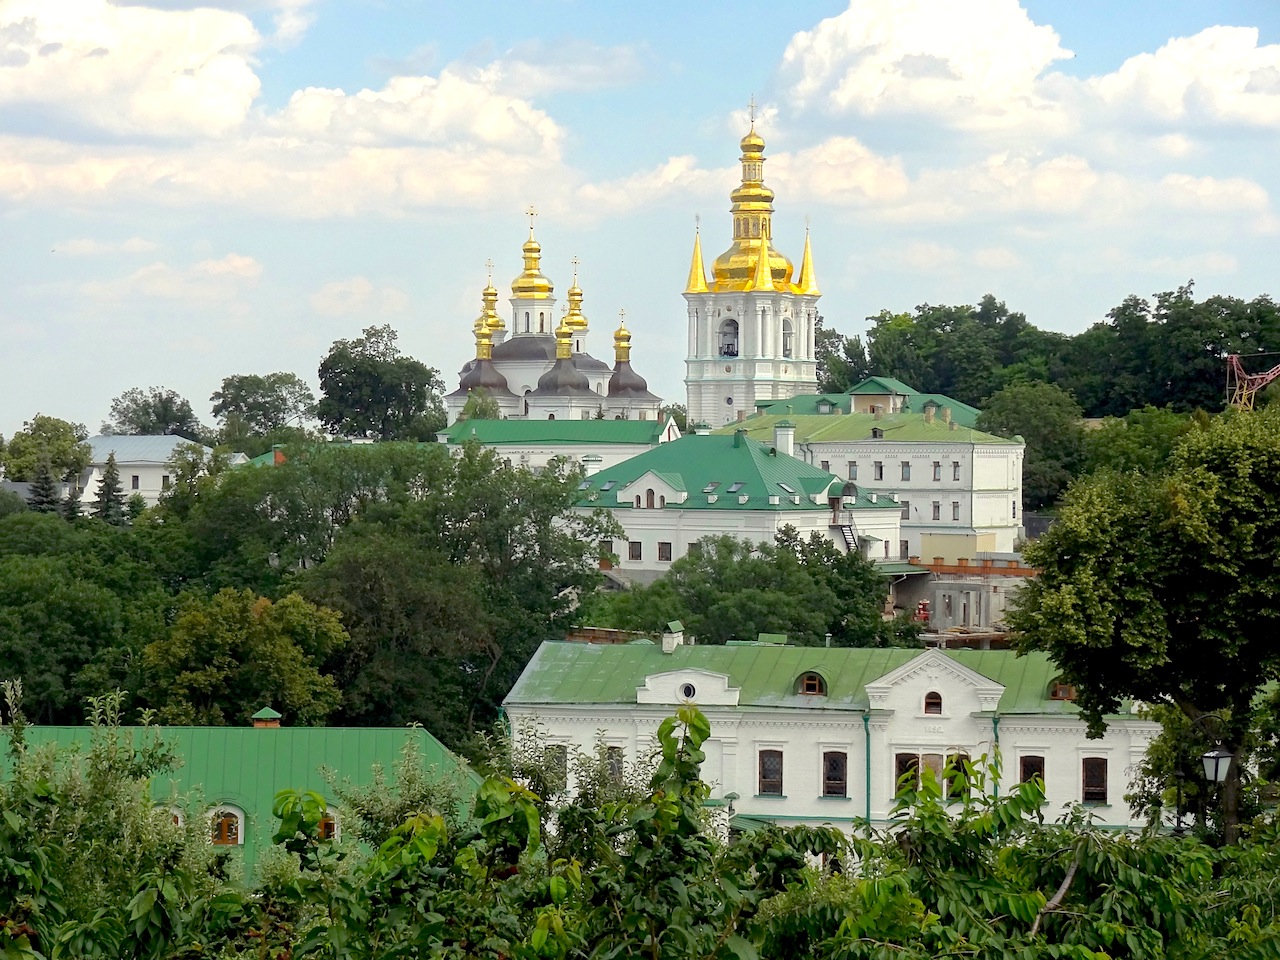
pixel 928 414
pixel 784 437
pixel 674 636
pixel 738 436
pixel 266 719
pixel 877 412
pixel 701 430
pixel 591 464
pixel 742 415
pixel 946 414
pixel 951 424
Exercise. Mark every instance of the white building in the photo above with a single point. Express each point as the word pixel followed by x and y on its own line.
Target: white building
pixel 698 486
pixel 948 479
pixel 596 444
pixel 143 463
pixel 751 324
pixel 817 735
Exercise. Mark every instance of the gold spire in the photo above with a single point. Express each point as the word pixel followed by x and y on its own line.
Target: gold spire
pixel 807 283
pixel 574 318
pixel 531 284
pixel 564 341
pixel 697 275
pixel 762 279
pixel 489 314
pixel 622 340
pixel 752 221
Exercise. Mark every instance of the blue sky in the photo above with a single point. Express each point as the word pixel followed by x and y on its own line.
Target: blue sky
pixel 191 191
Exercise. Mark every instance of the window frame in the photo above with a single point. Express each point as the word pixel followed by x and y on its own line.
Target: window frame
pixel 955 509
pixel 664 551
pixel 877 470
pixel 829 781
pixel 811 678
pixel 906 510
pixel 937 509
pixel 770 786
pixel 1030 765
pixel 218 817
pixel 1093 769
pixel 937 470
pixel 904 468
pixel 955 470
pixel 932 704
pixel 635 550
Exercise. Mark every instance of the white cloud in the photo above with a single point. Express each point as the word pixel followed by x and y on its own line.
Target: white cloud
pixel 924 257
pixel 538 66
pixel 357 296
pixel 997 258
pixel 86 246
pixel 839 170
pixel 128 70
pixel 209 281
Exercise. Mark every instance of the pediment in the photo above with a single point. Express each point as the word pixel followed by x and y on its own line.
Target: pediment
pixel 672 687
pixel 935 669
pixel 666 487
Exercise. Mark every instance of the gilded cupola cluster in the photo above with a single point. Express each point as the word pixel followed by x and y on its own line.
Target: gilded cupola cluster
pixel 752 262
pixel 531 284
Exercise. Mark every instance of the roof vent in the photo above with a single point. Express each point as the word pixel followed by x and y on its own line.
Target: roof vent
pixel 872 496
pixel 266 719
pixel 774 500
pixel 877 433
pixel 743 498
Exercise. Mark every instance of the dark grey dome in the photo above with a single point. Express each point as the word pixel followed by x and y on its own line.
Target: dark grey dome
pixel 538 347
pixel 626 384
pixel 588 364
pixel 482 375
pixel 563 380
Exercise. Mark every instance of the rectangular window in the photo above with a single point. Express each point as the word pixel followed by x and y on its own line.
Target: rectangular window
pixel 694 549
pixel 955 469
pixel 1015 509
pixel 906 509
pixel 886 549
pixel 1094 775
pixel 164 482
pixel 664 551
pixel 937 510
pixel 634 551
pixel 906 469
pixel 937 469
pixel 826 465
pixel 955 509
pixel 904 550
pixel 835 780
pixel 606 549
pixel 557 764
pixel 1029 768
pixel 134 485
pixel 853 469
pixel 877 472
pixel 614 757
pixel 906 771
pixel 956 776
pixel 771 773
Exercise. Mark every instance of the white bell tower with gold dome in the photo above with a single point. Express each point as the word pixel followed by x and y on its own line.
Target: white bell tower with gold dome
pixel 751 326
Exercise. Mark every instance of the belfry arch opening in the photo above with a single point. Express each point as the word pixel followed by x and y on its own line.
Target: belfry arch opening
pixel 729 338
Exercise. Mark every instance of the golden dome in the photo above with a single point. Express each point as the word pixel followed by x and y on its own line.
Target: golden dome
pixel 564 341
pixel 489 315
pixel 484 339
pixel 531 284
pixel 574 318
pixel 752 142
pixel 752 209
pixel 622 340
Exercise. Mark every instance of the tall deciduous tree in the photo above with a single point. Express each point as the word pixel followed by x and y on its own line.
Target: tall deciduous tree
pixel 369 389
pixel 109 504
pixel 155 411
pixel 228 656
pixel 59 443
pixel 1048 419
pixel 1162 588
pixel 263 403
pixel 480 406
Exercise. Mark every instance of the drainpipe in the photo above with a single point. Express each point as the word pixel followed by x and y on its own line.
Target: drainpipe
pixel 866 729
pixel 995 736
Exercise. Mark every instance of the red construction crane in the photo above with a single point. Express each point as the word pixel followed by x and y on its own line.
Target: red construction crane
pixel 1243 387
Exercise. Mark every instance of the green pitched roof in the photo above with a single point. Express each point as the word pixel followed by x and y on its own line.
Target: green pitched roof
pixel 246 767
pixel 694 463
pixel 494 432
pixel 875 385
pixel 804 403
pixel 911 427
pixel 766 674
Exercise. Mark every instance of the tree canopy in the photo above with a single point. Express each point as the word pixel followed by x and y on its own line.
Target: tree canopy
pixel 58 443
pixel 156 411
pixel 1048 419
pixel 369 389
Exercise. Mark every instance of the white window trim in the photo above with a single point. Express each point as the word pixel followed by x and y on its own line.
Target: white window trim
pixel 216 812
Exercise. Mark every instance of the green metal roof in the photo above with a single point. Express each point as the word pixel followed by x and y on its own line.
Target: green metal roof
pixel 804 404
pixel 848 428
pixel 266 713
pixel 766 674
pixel 246 766
pixel 914 401
pixel 493 432
pixel 693 463
pixel 876 385
pixel 897 568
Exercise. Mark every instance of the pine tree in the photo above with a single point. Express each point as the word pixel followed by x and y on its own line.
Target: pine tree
pixel 42 495
pixel 109 504
pixel 71 506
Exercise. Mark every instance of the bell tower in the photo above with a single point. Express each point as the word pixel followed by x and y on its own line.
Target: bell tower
pixel 751 326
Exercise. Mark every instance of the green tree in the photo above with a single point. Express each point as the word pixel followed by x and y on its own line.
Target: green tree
pixel 368 389
pixel 109 504
pixel 677 412
pixel 59 443
pixel 480 406
pixel 10 503
pixel 1159 588
pixel 226 657
pixel 842 361
pixel 43 495
pixel 71 508
pixel 156 411
pixel 1048 420
pixel 260 404
pixel 1143 440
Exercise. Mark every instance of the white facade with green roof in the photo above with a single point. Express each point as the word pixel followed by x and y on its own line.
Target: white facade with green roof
pixel 948 478
pixel 698 486
pixel 814 735
pixel 596 444
pixel 884 394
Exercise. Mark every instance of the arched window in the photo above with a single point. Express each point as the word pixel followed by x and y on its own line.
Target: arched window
pixel 226 827
pixel 551 416
pixel 648 499
pixel 662 501
pixel 933 703
pixel 729 338
pixel 812 684
pixel 788 339
pixel 328 826
pixel 542 323
pixel 526 321
pixel 637 501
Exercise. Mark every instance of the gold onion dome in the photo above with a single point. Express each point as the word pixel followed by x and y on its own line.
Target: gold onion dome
pixel 531 284
pixel 752 210
pixel 622 343
pixel 564 340
pixel 574 318
pixel 489 315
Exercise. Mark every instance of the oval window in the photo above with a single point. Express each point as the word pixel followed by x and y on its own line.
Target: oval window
pixel 688 690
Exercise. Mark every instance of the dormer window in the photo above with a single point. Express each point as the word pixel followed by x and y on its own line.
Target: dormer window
pixel 811 684
pixel 711 487
pixel 877 433
pixel 737 485
pixel 933 703
pixel 1061 690
pixel 787 487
